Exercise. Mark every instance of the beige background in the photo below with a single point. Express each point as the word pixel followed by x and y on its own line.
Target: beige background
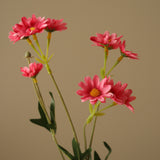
pixel 132 136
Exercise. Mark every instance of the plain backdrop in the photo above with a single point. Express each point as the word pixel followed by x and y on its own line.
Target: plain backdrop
pixel 132 136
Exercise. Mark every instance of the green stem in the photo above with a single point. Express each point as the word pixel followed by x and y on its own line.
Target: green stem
pixel 32 45
pixel 55 140
pixel 94 125
pixel 105 58
pixel 93 130
pixel 48 43
pixel 111 105
pixel 36 39
pixel 117 62
pixel 84 134
pixel 41 101
pixel 38 93
pixel 63 102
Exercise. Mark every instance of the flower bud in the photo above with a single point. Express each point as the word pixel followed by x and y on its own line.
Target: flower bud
pixel 28 54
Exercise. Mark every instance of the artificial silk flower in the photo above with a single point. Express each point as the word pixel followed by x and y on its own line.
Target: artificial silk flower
pixel 126 53
pixel 27 27
pixel 32 70
pixel 110 41
pixel 122 96
pixel 55 25
pixel 94 90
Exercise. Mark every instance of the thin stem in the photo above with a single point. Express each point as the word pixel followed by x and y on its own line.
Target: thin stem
pixel 93 130
pixel 41 101
pixel 36 39
pixel 105 58
pixel 95 120
pixel 84 134
pixel 55 140
pixel 48 43
pixel 117 62
pixel 32 45
pixel 38 93
pixel 111 105
pixel 61 97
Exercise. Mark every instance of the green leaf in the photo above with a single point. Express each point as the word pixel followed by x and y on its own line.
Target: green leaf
pixel 42 114
pixel 96 156
pixel 86 153
pixel 102 72
pixel 52 113
pixel 76 149
pixel 109 149
pixel 66 152
pixel 39 122
pixel 77 152
pixel 90 157
pixel 42 121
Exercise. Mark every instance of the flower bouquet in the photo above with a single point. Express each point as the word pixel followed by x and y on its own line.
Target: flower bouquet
pixel 97 90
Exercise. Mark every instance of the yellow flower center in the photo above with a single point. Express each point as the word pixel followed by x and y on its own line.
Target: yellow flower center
pixel 95 92
pixel 109 40
pixel 32 28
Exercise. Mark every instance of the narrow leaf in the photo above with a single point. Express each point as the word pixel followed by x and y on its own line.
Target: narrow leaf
pixel 66 152
pixel 42 114
pixel 90 157
pixel 39 122
pixel 109 149
pixel 52 113
pixel 76 149
pixel 42 121
pixel 96 156
pixel 86 153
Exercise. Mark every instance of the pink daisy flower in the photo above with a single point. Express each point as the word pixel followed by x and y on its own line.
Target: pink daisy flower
pixel 55 25
pixel 27 27
pixel 111 41
pixel 32 71
pixel 122 96
pixel 127 53
pixel 94 90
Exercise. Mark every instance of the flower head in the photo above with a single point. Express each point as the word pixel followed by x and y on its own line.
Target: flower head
pixel 27 27
pixel 94 90
pixel 55 25
pixel 111 41
pixel 32 71
pixel 122 96
pixel 126 53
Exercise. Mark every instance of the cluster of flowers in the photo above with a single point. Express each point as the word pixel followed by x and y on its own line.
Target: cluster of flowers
pixel 112 42
pixel 96 90
pixel 92 90
pixel 32 25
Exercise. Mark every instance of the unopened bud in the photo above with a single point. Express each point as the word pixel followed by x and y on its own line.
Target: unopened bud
pixel 28 54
